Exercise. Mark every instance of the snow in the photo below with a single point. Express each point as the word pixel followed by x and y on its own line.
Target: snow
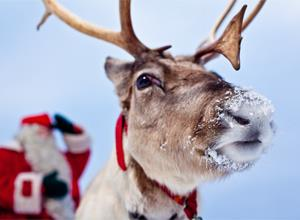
pixel 163 146
pixel 223 163
pixel 242 96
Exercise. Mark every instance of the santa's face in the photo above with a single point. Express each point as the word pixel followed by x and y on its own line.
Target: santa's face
pixel 36 136
pixel 44 132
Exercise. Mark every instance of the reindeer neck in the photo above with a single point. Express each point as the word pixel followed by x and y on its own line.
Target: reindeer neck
pixel 124 159
pixel 149 188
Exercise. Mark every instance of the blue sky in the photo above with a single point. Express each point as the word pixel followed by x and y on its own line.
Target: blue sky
pixel 60 70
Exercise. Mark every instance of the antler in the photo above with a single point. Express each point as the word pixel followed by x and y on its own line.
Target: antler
pixel 221 19
pixel 229 43
pixel 254 13
pixel 125 39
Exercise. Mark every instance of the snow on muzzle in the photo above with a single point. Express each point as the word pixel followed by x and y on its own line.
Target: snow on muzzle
pixel 248 117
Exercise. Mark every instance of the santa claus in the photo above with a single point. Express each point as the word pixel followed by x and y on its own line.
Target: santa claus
pixel 37 180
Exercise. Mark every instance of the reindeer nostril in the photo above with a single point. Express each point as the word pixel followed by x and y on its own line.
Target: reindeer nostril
pixel 241 121
pixel 254 136
pixel 238 119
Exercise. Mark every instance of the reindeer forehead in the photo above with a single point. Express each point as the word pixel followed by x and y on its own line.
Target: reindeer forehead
pixel 181 66
pixel 184 71
pixel 165 67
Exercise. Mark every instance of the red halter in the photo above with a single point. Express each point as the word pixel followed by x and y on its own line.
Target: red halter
pixel 189 202
pixel 121 124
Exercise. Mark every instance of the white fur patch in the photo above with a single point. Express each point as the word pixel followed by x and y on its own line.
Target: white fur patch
pixel 28 204
pixel 77 143
pixel 12 145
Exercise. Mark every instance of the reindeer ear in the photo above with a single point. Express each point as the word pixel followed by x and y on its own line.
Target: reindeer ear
pixel 120 73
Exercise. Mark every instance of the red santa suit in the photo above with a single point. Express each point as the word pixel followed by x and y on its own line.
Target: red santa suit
pixel 22 170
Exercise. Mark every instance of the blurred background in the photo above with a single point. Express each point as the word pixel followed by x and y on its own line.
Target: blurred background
pixel 60 70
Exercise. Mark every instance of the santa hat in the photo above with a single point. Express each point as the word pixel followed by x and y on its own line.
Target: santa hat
pixel 40 119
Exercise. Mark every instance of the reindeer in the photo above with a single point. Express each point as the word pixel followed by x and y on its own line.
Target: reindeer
pixel 180 125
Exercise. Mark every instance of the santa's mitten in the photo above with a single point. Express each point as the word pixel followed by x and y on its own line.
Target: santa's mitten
pixel 53 187
pixel 66 126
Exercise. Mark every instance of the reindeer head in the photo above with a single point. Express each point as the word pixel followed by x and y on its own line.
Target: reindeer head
pixel 185 123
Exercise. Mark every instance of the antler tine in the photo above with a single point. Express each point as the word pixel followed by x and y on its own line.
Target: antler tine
pixel 125 39
pixel 45 17
pixel 253 14
pixel 231 38
pixel 227 10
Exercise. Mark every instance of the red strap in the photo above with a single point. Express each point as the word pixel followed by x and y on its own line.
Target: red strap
pixel 191 205
pixel 178 199
pixel 119 142
pixel 189 202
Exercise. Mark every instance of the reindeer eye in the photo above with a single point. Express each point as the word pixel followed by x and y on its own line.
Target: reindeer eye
pixel 143 81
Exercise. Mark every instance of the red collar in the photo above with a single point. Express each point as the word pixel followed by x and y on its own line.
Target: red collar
pixel 189 202
pixel 120 126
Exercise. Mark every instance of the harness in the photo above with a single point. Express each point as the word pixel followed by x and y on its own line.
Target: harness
pixel 188 202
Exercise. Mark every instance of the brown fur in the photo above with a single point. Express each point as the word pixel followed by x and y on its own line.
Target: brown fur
pixel 170 116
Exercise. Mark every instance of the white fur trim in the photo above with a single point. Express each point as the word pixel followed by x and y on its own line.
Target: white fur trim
pixel 77 143
pixel 12 145
pixel 32 204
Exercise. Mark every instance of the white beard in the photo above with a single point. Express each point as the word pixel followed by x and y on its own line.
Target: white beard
pixel 44 157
